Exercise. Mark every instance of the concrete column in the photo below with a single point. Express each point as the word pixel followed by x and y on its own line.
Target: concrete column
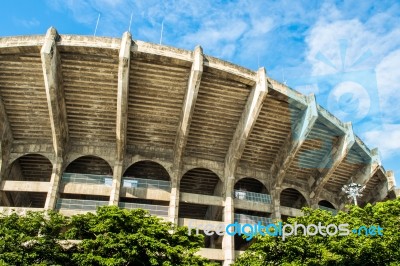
pixel 51 65
pixel 276 204
pixel 3 168
pixel 6 141
pixel 173 211
pixel 116 184
pixel 332 160
pixel 314 203
pixel 56 175
pixel 292 145
pixel 228 242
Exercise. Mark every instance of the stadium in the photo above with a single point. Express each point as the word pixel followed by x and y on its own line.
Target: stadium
pixel 92 121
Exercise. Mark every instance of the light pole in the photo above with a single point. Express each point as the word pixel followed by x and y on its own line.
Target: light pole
pixel 353 190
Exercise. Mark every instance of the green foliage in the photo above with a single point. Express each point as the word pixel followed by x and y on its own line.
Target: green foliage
pixel 32 239
pixel 333 250
pixel 111 236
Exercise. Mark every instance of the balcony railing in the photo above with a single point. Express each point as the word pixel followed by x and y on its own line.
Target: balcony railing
pixel 158 210
pixel 75 204
pixel 251 219
pixel 333 211
pixel 253 196
pixel 146 183
pixel 87 179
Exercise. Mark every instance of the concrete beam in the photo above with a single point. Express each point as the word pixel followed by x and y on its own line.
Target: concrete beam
pixel 253 205
pixel 54 185
pixel 122 96
pixel 332 160
pixel 329 119
pixel 122 115
pixel 363 175
pixel 51 64
pixel 379 193
pixel 293 142
pixel 247 121
pixel 188 106
pixel 285 93
pixel 201 199
pixel 11 185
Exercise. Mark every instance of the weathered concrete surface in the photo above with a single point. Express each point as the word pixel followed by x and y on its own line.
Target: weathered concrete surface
pixel 294 141
pixel 332 161
pixel 188 106
pixel 67 96
pixel 10 185
pixel 145 193
pixel 54 91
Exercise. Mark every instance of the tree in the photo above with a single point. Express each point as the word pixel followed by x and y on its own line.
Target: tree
pixel 111 236
pixel 354 249
pixel 32 239
pixel 115 236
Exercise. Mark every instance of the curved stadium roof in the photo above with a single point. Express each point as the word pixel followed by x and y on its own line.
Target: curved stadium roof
pixel 68 95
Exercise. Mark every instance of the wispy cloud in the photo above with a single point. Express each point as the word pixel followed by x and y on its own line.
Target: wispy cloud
pixel 27 23
pixel 289 38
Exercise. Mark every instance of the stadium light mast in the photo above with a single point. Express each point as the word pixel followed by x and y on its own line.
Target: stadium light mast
pixel 353 190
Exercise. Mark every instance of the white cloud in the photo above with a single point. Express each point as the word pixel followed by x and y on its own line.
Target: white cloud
pixel 27 23
pixel 388 80
pixel 387 140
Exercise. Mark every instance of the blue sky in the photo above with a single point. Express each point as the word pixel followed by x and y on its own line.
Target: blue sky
pixel 345 52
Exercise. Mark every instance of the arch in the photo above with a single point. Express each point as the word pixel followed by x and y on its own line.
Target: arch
pixel 76 156
pixel 89 164
pixel 31 167
pixel 14 158
pixel 251 184
pixel 138 158
pixel 217 172
pixel 327 204
pixel 299 189
pixel 201 181
pixel 147 169
pixel 291 197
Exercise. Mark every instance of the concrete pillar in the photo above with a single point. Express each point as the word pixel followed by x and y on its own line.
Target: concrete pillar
pixel 292 145
pixel 314 203
pixel 6 141
pixel 228 242
pixel 116 184
pixel 173 211
pixel 276 204
pixel 3 167
pixel 55 181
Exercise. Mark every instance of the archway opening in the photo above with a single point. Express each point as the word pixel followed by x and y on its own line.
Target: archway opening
pixel 27 168
pixel 196 187
pixel 327 204
pixel 146 185
pixel 86 184
pixel 250 196
pixel 291 198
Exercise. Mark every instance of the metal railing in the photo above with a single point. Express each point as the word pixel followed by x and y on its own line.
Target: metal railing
pixel 333 211
pixel 158 210
pixel 251 219
pixel 146 183
pixel 253 196
pixel 87 179
pixel 75 204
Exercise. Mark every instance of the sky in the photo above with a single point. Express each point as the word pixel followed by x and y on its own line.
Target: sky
pixel 345 52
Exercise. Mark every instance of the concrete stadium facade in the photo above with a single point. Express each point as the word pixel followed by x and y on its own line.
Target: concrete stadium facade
pixel 91 121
